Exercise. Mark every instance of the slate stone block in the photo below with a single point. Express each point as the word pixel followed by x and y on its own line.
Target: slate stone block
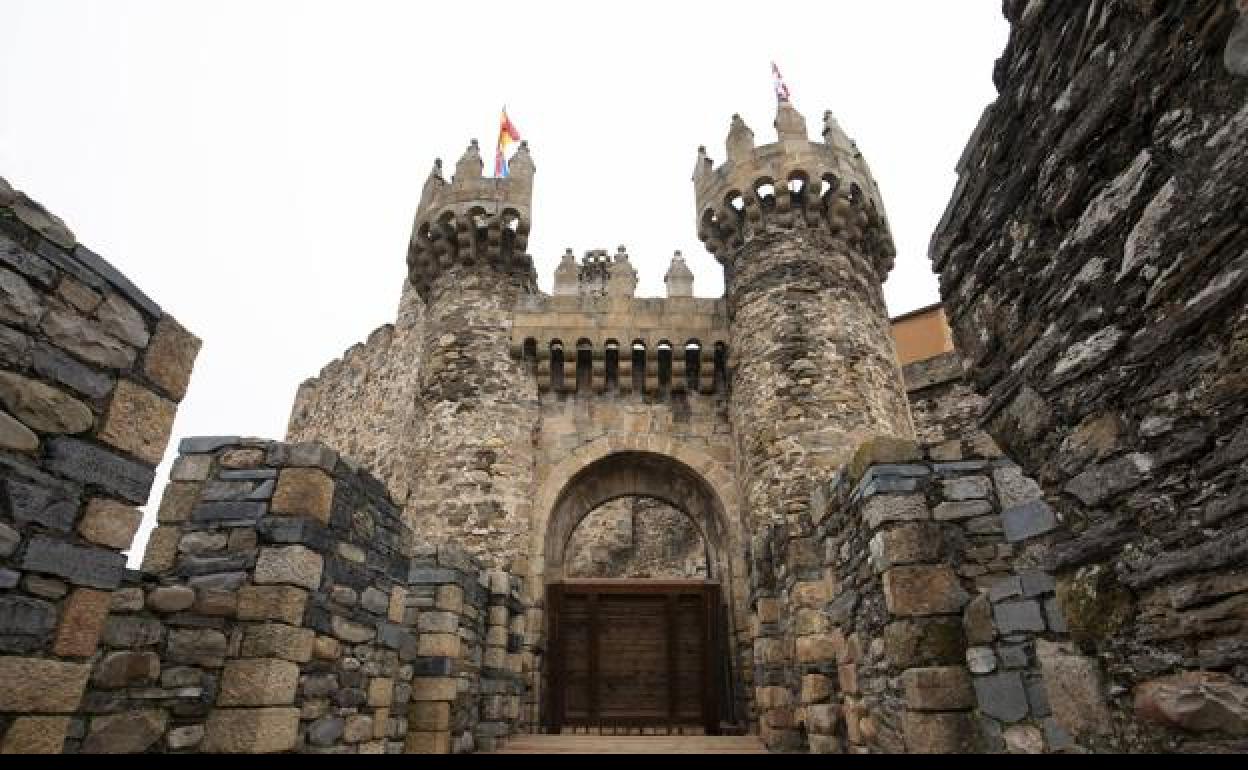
pixel 233 510
pixel 94 567
pixel 90 464
pixel 1002 695
pixel 434 576
pixel 1014 616
pixel 43 505
pixel 101 267
pixel 1028 520
pixel 52 363
pixel 25 623
pixel 204 444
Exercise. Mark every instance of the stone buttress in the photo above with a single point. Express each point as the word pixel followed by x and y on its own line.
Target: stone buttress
pixel 467 261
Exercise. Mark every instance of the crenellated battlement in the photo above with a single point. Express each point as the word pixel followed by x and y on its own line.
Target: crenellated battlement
pixel 793 182
pixel 473 219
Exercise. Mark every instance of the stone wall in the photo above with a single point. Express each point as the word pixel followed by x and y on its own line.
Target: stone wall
pixel 279 610
pixel 364 404
pixel 91 371
pixel 1094 262
pixel 915 618
pixel 637 537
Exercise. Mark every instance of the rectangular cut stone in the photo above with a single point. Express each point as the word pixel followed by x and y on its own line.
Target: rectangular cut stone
pixel 434 688
pixel 938 732
pixel 171 356
pixel 258 682
pixel 94 567
pixel 282 603
pixel 1001 696
pixel 34 685
pixel 90 464
pixel 81 622
pixel 138 422
pixel 291 564
pixel 883 509
pixel 251 731
pixel 110 523
pixel 966 488
pixel 162 550
pixel 907 544
pixel 938 688
pixel 429 715
pixel 966 509
pixel 204 444
pixel 278 640
pixel 923 590
pixel 304 492
pixel 1028 520
pixel 35 735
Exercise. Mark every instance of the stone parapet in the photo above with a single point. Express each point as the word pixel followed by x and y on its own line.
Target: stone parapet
pixel 91 372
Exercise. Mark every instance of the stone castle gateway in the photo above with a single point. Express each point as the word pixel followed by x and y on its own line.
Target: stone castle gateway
pixel 447 552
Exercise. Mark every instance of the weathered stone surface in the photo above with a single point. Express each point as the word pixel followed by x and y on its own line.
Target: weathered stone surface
pixel 1023 739
pixel 881 509
pixel 1196 701
pixel 938 733
pixel 258 682
pixel 1014 616
pixel 1001 695
pixel 182 738
pixel 278 602
pixel 190 467
pixel 1028 520
pixel 19 303
pixel 82 620
pixel 907 544
pixel 120 319
pixel 304 492
pixel 138 422
pixel 25 623
pixel 42 407
pixel 923 590
pixel 124 631
pixel 292 565
pixel 924 642
pixel 79 565
pixel 1073 686
pixel 278 640
pixel 35 735
pixel 86 339
pixel 89 464
pixel 128 733
pixel 162 550
pixel 943 688
pixel 251 730
pixel 170 357
pixel 53 364
pixel 196 647
pixel 41 686
pixel 170 598
pixel 16 436
pixel 52 506
pixel 107 522
pixel 126 669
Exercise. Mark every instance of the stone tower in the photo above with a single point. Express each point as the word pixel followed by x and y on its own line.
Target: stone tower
pixel 467 261
pixel 800 230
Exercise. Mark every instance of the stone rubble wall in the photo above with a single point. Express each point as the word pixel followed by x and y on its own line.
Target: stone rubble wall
pixel 916 617
pixel 279 609
pixel 91 372
pixel 636 537
pixel 1094 263
pixel 364 403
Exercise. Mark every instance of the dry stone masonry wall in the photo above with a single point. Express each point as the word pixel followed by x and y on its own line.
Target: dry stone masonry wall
pixel 279 609
pixel 91 372
pixel 1094 262
pixel 637 537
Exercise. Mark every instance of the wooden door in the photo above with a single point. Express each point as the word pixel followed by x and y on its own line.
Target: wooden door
pixel 633 654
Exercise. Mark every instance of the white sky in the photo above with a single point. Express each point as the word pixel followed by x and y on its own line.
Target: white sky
pixel 254 165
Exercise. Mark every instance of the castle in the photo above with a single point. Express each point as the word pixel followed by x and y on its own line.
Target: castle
pixel 869 542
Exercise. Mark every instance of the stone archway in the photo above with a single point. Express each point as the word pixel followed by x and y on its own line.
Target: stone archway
pixel 593 476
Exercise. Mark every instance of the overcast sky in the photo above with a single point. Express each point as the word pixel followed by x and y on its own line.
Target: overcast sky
pixel 254 165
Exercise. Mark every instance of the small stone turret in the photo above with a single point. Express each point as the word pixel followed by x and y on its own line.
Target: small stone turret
pixel 792 182
pixel 473 220
pixel 679 278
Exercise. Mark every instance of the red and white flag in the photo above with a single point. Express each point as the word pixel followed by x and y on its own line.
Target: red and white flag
pixel 782 91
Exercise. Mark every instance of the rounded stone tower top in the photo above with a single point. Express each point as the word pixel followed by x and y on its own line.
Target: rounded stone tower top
pixel 473 219
pixel 793 182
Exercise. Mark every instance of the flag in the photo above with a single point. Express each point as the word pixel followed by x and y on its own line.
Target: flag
pixel 782 91
pixel 507 134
